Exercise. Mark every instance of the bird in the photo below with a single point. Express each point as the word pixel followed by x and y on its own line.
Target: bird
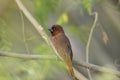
pixel 63 47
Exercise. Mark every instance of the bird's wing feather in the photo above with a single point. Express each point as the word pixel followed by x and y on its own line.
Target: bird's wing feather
pixel 63 46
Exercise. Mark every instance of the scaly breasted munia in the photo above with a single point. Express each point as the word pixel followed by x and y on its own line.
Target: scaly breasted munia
pixel 62 46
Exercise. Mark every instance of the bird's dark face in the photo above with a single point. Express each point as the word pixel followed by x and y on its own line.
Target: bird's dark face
pixel 56 29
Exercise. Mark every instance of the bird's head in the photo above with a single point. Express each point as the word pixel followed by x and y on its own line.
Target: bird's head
pixel 56 29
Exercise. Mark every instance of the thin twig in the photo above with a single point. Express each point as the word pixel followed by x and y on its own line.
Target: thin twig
pixel 90 36
pixel 38 27
pixel 23 33
pixel 89 40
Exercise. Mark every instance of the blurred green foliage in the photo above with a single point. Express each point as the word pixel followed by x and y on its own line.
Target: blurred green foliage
pixel 80 32
pixel 43 8
pixel 5 43
pixel 87 5
pixel 63 19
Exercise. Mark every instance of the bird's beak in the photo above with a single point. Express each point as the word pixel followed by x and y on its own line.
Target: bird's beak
pixel 51 30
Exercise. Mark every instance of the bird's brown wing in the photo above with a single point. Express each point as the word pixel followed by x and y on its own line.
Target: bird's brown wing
pixel 63 46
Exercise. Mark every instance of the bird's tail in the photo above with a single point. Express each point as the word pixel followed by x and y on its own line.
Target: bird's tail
pixel 70 69
pixel 69 66
pixel 74 73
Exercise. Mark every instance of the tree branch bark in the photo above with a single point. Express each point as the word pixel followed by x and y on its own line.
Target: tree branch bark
pixel 97 68
pixel 54 57
pixel 26 56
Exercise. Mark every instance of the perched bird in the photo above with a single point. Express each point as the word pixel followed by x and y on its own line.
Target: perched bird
pixel 62 46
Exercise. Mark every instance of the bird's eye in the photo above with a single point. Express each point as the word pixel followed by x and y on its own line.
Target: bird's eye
pixel 53 28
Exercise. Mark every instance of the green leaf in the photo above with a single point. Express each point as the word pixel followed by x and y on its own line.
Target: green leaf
pixel 63 19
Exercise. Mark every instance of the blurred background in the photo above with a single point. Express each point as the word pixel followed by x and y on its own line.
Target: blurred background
pixel 18 35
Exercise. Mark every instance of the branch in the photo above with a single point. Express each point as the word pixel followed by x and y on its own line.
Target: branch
pixel 53 57
pixel 97 68
pixel 28 56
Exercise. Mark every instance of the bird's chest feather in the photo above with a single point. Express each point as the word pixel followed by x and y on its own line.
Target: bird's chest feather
pixel 62 45
pixel 59 42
